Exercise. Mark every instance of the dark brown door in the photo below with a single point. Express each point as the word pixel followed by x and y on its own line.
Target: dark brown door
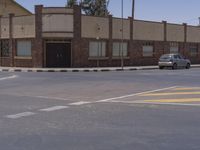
pixel 58 55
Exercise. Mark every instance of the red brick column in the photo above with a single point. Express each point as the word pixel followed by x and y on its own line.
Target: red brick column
pixel 165 30
pixel 77 59
pixel 135 47
pixel 185 32
pixel 166 45
pixel 37 51
pixel 185 46
pixel 198 59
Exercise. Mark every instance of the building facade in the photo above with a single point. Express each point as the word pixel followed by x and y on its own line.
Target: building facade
pixel 63 37
pixel 11 6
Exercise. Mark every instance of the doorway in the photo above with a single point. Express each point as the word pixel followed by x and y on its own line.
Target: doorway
pixel 58 55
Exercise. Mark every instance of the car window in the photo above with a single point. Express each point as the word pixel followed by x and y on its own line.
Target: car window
pixel 179 57
pixel 175 57
pixel 166 57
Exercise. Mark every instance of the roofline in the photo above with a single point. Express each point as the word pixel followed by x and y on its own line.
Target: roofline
pixel 14 1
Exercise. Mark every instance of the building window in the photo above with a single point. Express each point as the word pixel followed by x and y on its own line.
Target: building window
pixel 174 48
pixel 4 48
pixel 147 49
pixel 97 49
pixel 24 48
pixel 120 49
pixel 193 50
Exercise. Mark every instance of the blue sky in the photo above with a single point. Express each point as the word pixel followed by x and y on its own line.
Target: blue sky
pixel 173 11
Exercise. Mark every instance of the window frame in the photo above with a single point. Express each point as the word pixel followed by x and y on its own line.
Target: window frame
pixel 148 44
pixel 193 54
pixel 125 51
pixel 24 56
pixel 174 45
pixel 2 53
pixel 102 53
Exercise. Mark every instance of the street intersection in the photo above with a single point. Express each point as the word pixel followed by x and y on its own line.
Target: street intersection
pixel 147 109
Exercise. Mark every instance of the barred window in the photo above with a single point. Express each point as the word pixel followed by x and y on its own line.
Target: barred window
pixel 97 49
pixel 24 48
pixel 119 49
pixel 174 48
pixel 193 50
pixel 4 48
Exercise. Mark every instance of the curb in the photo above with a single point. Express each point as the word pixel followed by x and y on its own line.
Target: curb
pixel 82 69
pixel 76 70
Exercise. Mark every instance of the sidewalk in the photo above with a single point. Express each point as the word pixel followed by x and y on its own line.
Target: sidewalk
pixel 100 69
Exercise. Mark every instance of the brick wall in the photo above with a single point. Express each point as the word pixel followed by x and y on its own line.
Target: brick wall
pixel 5 62
pixel 77 50
pixel 37 49
pixel 23 63
pixel 135 54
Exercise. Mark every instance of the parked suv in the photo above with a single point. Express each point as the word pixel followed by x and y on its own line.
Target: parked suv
pixel 173 60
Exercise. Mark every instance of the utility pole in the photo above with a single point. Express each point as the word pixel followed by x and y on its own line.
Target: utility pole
pixel 81 3
pixel 133 9
pixel 199 21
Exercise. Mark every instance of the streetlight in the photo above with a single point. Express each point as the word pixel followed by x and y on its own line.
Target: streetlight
pixel 98 49
pixel 122 38
pixel 99 46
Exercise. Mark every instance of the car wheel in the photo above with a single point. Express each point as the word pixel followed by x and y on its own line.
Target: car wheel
pixel 188 66
pixel 174 66
pixel 161 67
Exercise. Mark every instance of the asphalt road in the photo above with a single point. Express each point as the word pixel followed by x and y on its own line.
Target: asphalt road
pixel 137 110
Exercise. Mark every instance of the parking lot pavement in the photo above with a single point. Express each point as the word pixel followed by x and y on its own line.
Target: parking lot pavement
pixel 148 110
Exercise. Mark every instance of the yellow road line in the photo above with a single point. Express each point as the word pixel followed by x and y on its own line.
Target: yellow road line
pixel 174 100
pixel 172 93
pixel 189 88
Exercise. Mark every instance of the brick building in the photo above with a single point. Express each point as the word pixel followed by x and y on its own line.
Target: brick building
pixel 63 37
